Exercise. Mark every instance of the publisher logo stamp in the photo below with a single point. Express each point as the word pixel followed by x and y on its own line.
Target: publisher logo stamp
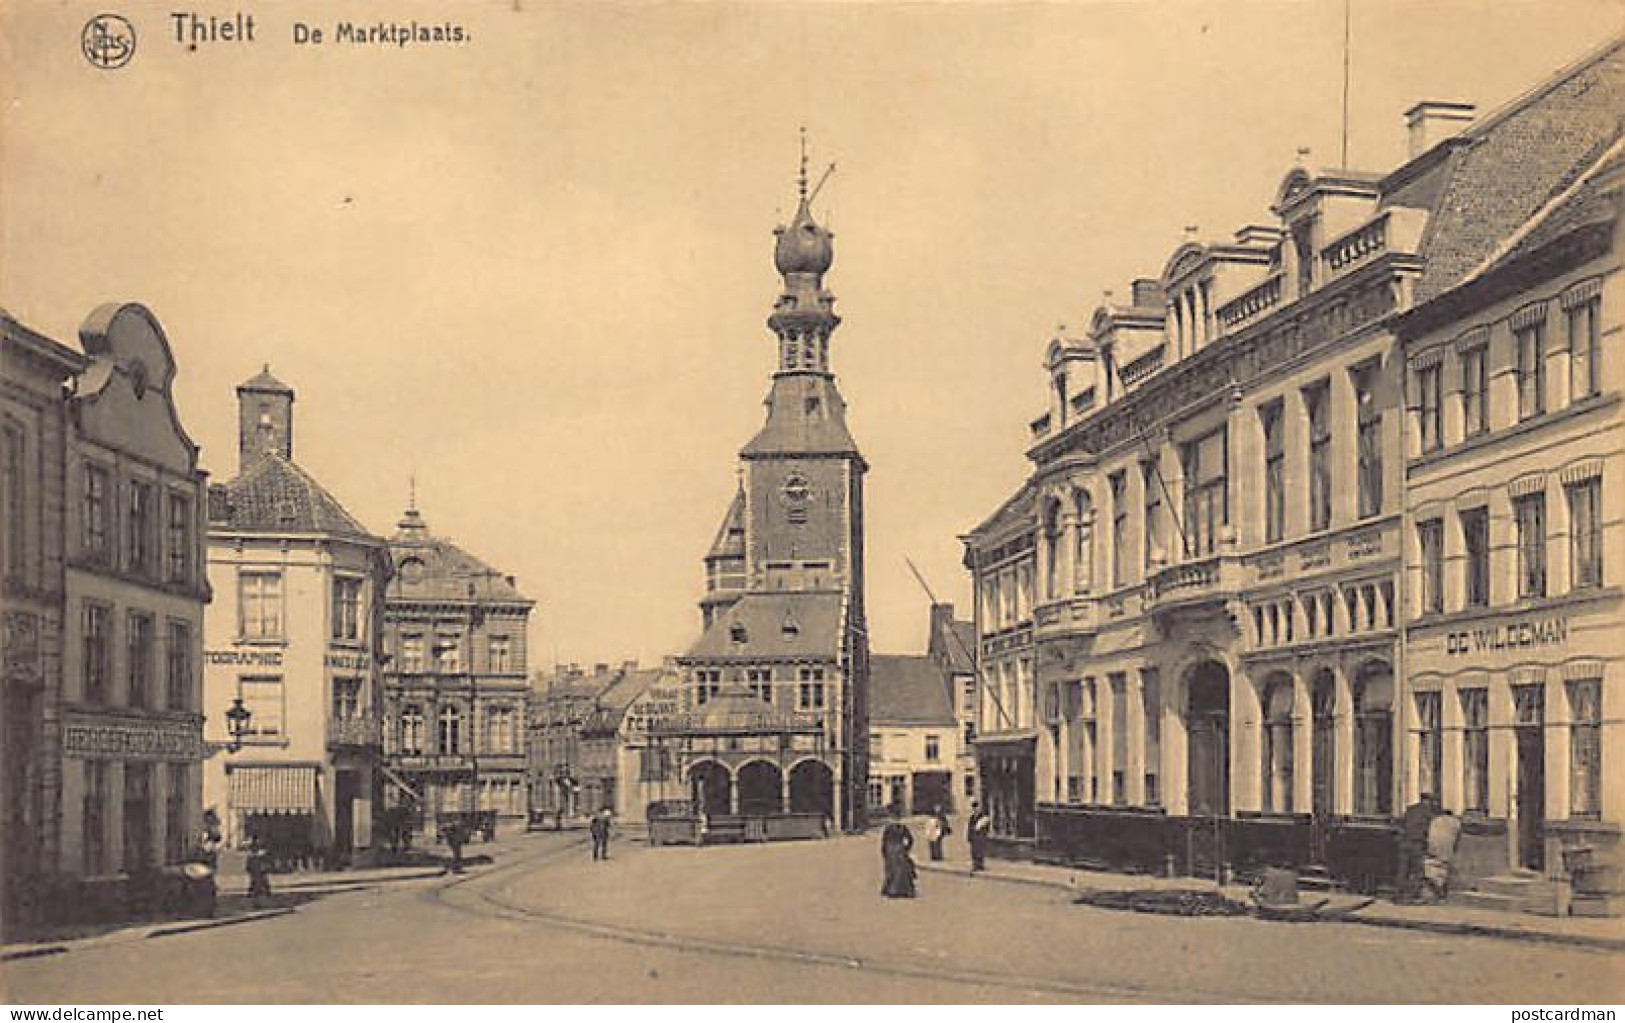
pixel 108 41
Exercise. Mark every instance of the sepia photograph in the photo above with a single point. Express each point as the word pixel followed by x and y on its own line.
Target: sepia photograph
pixel 717 503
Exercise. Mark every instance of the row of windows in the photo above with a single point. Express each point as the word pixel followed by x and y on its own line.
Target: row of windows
pixel 811 691
pixel 1532 539
pixel 144 675
pixel 1083 769
pixel 409 736
pixel 136 548
pixel 1204 505
pixel 137 844
pixel 877 746
pixel 261 610
pixel 447 651
pixel 1473 760
pixel 1468 375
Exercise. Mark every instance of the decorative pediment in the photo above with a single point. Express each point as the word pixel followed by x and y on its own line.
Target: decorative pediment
pixel 1186 258
pixel 1297 182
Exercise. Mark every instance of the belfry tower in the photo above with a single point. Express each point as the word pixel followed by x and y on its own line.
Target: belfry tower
pixel 785 633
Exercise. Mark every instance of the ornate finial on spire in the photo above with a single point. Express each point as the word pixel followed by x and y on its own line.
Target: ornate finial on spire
pixel 1303 155
pixel 1190 232
pixel 801 180
pixel 412 492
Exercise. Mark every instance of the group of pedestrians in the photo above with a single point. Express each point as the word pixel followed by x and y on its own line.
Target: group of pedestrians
pixel 897 844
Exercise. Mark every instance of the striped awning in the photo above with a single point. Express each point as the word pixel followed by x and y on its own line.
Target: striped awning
pixel 279 788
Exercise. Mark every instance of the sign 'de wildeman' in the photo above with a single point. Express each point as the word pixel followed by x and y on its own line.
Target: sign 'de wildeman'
pixel 1510 636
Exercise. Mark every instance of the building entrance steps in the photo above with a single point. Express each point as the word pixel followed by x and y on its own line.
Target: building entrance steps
pixel 1446 918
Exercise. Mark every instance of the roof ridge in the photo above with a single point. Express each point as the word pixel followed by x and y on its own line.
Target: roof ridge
pixel 1546 85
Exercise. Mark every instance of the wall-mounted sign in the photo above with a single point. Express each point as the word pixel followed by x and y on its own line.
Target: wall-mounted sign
pixel 252 658
pixel 346 659
pixel 1511 636
pixel 1364 545
pixel 132 740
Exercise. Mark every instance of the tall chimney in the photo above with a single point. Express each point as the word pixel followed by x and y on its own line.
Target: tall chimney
pixel 1432 121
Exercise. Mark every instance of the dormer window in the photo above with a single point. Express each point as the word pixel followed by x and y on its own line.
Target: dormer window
pixel 738 634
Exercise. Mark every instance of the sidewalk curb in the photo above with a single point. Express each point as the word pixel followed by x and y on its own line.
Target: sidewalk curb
pixel 33 953
pixel 132 936
pixel 1452 927
pixel 164 931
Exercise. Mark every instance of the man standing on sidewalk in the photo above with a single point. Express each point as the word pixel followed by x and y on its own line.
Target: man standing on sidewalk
pixel 977 830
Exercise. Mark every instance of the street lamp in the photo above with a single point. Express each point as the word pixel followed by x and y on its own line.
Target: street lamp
pixel 237 718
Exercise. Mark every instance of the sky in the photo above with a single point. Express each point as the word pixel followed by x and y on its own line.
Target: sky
pixel 532 270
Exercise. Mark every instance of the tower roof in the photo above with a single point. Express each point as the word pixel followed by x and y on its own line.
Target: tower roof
pixel 264 382
pixel 804 246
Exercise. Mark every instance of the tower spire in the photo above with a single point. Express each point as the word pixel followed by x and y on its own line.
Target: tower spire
pixel 801 179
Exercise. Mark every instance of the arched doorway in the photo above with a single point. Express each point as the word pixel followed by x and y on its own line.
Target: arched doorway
pixel 712 788
pixel 1207 728
pixel 812 788
pixel 1374 739
pixel 1323 700
pixel 760 788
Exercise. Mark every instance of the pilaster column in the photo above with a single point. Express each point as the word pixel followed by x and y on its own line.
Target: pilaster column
pixel 1303 769
pixel 1134 721
pixel 1068 572
pixel 1105 739
pixel 1343 726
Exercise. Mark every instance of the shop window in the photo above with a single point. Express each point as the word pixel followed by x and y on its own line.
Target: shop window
pixel 1373 741
pixel 176 833
pixel 1429 743
pixel 1585 748
pixel 93 817
pixel 1475 752
pixel 137 815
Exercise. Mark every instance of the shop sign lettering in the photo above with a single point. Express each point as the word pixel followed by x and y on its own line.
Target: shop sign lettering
pixel 345 659
pixel 1511 636
pixel 156 741
pixel 252 658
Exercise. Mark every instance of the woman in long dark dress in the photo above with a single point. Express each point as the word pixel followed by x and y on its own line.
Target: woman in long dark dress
pixel 895 842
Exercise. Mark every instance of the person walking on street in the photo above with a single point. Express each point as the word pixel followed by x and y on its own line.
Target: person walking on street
pixel 979 828
pixel 936 832
pixel 898 866
pixel 259 873
pixel 600 834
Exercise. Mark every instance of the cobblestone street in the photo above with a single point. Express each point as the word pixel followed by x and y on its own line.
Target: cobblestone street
pixel 546 924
